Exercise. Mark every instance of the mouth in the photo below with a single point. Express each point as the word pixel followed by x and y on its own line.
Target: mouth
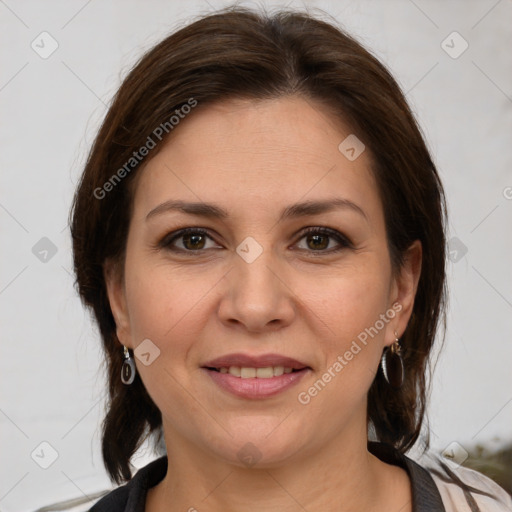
pixel 248 364
pixel 247 372
pixel 255 377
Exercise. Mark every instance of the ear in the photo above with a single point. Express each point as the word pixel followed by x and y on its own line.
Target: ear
pixel 117 298
pixel 403 289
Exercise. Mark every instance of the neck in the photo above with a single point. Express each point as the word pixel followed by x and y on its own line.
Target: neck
pixel 344 473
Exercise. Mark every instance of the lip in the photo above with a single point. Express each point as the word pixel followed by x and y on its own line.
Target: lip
pixel 255 388
pixel 261 361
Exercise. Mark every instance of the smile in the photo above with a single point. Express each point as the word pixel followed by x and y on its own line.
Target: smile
pixel 255 383
pixel 260 373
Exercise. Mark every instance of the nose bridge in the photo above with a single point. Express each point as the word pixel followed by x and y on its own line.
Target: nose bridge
pixel 257 295
pixel 255 280
pixel 254 268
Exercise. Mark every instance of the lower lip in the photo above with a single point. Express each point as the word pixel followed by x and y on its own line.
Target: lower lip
pixel 254 387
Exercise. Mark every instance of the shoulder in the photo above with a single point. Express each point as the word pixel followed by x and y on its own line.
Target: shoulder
pixel 114 501
pixel 463 489
pixel 132 495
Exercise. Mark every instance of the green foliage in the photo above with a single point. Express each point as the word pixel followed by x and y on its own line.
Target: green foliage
pixel 496 465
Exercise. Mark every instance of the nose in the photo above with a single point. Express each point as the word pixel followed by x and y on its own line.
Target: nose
pixel 257 296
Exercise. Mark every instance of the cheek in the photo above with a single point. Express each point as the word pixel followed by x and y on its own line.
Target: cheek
pixel 351 330
pixel 166 308
pixel 161 299
pixel 172 309
pixel 348 300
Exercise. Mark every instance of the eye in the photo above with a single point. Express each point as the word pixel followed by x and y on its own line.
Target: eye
pixel 318 240
pixel 191 239
pixel 194 240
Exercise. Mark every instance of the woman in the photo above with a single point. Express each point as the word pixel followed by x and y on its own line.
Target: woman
pixel 259 231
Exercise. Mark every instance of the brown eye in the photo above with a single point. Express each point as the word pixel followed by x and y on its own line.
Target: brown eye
pixel 319 240
pixel 188 240
pixel 193 241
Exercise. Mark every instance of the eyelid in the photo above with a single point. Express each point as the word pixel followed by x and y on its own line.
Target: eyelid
pixel 343 241
pixel 166 241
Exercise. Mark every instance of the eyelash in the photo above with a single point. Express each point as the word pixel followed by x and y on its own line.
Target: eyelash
pixel 166 242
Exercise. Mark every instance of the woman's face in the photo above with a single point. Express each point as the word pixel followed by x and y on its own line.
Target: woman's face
pixel 252 282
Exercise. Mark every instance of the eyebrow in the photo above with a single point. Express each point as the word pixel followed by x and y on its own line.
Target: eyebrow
pixel 213 211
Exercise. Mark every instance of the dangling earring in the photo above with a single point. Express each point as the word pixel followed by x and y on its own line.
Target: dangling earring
pixel 128 369
pixel 393 365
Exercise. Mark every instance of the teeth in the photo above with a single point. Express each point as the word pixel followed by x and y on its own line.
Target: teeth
pixel 260 373
pixel 234 370
pixel 278 370
pixel 264 373
pixel 247 373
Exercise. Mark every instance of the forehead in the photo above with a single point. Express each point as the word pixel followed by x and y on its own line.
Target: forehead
pixel 247 154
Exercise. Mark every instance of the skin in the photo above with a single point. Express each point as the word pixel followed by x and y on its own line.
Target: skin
pixel 254 159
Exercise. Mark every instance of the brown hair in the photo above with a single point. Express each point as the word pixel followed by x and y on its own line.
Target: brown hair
pixel 239 53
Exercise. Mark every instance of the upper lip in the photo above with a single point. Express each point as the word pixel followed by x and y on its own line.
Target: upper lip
pixel 261 361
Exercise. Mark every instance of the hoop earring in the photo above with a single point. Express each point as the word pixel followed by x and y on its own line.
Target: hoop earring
pixel 128 370
pixel 393 365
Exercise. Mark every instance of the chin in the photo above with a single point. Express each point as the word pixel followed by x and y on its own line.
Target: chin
pixel 261 446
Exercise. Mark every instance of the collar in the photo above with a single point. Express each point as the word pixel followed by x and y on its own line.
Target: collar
pixel 425 494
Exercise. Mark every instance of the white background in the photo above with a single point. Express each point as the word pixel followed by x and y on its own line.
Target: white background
pixel 52 388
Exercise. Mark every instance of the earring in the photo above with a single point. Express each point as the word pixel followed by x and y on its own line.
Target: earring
pixel 128 369
pixel 393 365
